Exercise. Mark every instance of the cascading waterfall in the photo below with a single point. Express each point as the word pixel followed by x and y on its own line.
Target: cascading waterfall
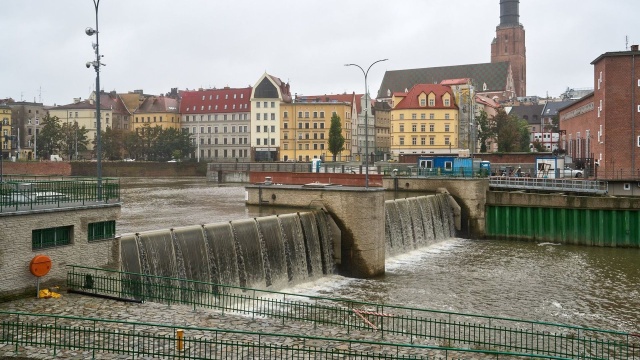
pixel 269 252
pixel 417 222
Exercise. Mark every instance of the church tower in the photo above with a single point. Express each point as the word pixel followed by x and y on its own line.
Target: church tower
pixel 509 44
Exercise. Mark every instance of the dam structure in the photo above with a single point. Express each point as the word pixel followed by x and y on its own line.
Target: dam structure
pixel 280 250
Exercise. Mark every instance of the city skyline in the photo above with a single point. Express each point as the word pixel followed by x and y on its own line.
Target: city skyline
pixel 202 44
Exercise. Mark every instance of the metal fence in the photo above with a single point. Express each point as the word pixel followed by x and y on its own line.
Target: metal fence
pixel 28 192
pixel 458 330
pixel 541 184
pixel 67 335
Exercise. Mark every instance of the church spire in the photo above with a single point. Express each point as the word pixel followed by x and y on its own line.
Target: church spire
pixel 509 13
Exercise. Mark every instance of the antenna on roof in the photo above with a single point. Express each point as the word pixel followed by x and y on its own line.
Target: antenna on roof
pixel 626 42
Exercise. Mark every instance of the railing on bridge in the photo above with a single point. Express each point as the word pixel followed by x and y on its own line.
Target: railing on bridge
pixel 459 330
pixel 29 192
pixel 67 335
pixel 556 185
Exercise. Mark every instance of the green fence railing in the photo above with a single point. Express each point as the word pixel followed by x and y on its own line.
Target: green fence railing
pixel 67 335
pixel 27 193
pixel 456 329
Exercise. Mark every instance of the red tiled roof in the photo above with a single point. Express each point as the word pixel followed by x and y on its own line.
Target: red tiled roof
pixel 411 100
pixel 462 81
pixel 215 101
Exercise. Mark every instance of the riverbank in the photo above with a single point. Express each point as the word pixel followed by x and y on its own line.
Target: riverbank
pixel 109 168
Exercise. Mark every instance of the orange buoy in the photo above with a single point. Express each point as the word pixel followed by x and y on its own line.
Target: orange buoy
pixel 40 265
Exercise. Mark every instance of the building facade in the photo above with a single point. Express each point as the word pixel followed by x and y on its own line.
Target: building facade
pixel 305 128
pixel 82 113
pixel 219 122
pixel 382 115
pixel 5 131
pixel 424 121
pixel 268 94
pixel 603 128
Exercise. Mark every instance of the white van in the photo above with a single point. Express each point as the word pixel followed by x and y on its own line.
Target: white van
pixel 55 158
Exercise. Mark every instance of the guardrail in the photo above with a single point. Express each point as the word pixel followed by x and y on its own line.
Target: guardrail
pixel 565 185
pixel 459 330
pixel 28 193
pixel 66 335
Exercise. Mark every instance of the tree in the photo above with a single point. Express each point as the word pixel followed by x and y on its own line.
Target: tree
pixel 112 148
pixel 485 130
pixel 511 132
pixel 50 137
pixel 74 139
pixel 132 144
pixel 336 140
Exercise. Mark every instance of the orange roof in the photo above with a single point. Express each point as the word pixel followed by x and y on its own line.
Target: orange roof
pixel 411 100
pixel 463 81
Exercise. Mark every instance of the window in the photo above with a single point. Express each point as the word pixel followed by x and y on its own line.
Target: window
pixel 446 127
pixel 423 141
pixel 414 116
pixel 257 104
pixel 432 127
pixel 273 104
pixel 273 116
pixel 423 127
pixel 432 102
pixel 266 128
pixel 258 116
pixel 446 116
pixel 401 116
pixel 414 141
pixel 431 116
pixel 273 141
pixel 315 114
pixel 306 114
pixel 51 237
pixel 446 102
pixel 265 104
pixel 432 140
pixel 423 102
pixel 258 128
pixel 401 140
pixel 414 127
pixel 258 141
pixel 322 114
pixel 285 115
pixel 446 141
pixel 273 128
pixel 423 116
pixel 401 127
pixel 299 114
pixel 101 230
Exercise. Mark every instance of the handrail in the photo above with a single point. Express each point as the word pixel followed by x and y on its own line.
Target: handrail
pixel 79 336
pixel 522 335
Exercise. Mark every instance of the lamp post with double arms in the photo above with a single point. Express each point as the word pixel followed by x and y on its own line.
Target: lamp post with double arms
pixel 96 65
pixel 366 119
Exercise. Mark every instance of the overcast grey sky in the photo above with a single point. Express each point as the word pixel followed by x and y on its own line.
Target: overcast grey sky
pixel 155 45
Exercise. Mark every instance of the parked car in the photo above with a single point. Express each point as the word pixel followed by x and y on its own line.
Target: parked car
pixel 572 173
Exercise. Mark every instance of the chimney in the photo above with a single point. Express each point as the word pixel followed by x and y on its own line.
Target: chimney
pixel 634 47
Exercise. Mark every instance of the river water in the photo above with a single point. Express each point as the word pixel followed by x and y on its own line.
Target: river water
pixel 585 286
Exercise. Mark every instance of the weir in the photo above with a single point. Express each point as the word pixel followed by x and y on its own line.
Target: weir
pixel 263 252
pixel 278 251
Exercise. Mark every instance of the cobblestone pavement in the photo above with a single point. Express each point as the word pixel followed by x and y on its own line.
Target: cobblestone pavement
pixel 183 316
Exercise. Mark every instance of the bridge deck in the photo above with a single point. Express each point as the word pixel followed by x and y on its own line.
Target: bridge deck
pixel 556 185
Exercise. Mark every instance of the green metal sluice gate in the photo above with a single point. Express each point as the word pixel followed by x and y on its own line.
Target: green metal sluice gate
pixel 407 331
pixel 595 227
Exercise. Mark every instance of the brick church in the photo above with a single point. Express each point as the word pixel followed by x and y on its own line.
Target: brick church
pixel 504 78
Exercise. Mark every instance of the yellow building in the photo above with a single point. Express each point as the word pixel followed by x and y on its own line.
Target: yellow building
pixel 305 129
pixel 83 112
pixel 5 123
pixel 157 111
pixel 424 121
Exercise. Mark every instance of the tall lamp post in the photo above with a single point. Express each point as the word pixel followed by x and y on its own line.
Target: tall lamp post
pixel 96 65
pixel 366 119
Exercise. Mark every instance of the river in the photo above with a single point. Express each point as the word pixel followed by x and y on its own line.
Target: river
pixel 585 286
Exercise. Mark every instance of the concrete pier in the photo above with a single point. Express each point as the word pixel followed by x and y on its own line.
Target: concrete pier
pixel 358 212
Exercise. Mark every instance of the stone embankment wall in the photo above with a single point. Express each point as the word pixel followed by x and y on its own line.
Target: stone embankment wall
pixel 109 168
pixel 17 252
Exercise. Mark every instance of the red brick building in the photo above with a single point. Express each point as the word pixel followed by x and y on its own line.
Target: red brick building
pixel 605 125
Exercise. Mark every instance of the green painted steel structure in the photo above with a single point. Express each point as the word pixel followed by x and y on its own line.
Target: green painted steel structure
pixel 593 227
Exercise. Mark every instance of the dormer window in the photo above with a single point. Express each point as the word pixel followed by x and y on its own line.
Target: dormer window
pixel 423 102
pixel 432 102
pixel 447 102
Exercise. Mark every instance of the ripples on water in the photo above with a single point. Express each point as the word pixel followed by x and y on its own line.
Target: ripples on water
pixel 591 287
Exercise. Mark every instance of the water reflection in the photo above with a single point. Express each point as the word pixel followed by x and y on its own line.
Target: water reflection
pixel 592 287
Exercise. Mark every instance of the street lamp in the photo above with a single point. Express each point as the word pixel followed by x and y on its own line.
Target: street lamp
pixel 96 65
pixel 366 119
